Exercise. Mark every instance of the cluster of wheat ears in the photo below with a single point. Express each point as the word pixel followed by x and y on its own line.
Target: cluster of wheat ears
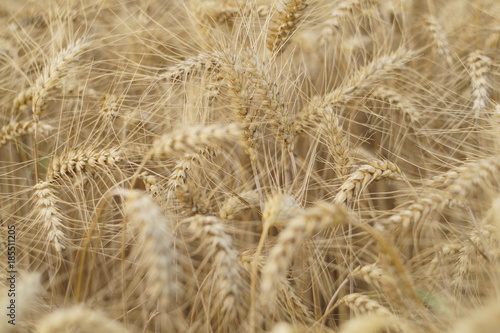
pixel 250 166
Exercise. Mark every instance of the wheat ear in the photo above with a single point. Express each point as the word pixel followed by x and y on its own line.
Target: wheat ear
pixel 313 220
pixel 76 162
pixel 53 73
pixel 438 37
pixel 14 130
pixel 341 13
pixel 358 84
pixel 479 66
pixel 284 24
pixel 364 175
pixel 486 319
pixel 481 242
pixel 373 323
pixel 279 209
pixel 376 276
pixel 459 181
pixel 337 144
pixel 217 246
pixel 157 248
pixel 78 319
pixel 362 304
pixel 193 138
pixel 178 181
pixel 204 62
pixel 45 202
pixel 415 211
pixel 235 204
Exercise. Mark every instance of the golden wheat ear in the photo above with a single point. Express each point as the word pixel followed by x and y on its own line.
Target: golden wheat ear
pixel 79 319
pixel 284 24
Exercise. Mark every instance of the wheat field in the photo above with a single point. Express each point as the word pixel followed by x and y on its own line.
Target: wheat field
pixel 250 166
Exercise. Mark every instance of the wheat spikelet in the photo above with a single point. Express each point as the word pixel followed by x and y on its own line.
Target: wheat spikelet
pixel 45 202
pixel 193 138
pixel 364 175
pixel 151 183
pixel 76 162
pixel 313 220
pixel 53 73
pixel 14 130
pixel 216 245
pixel 109 107
pixel 78 319
pixel 284 24
pixel 479 67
